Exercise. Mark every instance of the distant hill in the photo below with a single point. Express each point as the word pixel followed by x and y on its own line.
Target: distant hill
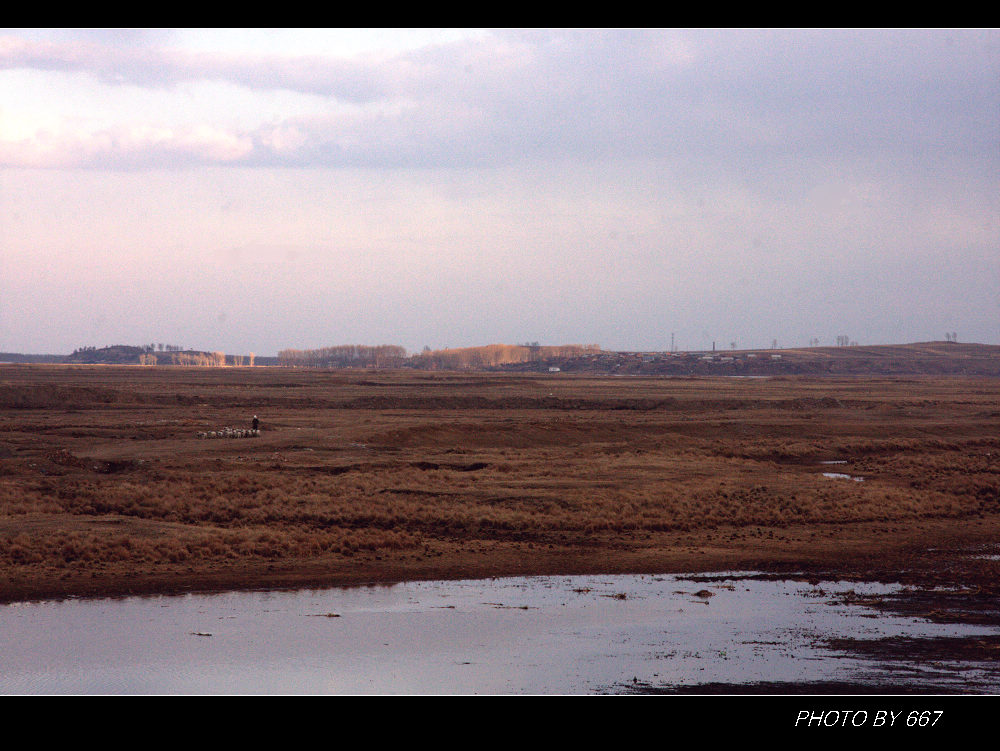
pixel 924 358
pixel 119 354
pixel 123 354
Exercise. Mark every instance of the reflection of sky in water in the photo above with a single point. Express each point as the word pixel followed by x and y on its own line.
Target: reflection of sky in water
pixel 842 476
pixel 516 635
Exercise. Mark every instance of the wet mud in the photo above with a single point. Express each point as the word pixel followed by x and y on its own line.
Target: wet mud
pixel 961 592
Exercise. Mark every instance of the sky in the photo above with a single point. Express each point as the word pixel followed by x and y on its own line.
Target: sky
pixel 253 190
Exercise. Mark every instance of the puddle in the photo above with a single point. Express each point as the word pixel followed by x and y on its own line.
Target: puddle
pixel 524 635
pixel 842 476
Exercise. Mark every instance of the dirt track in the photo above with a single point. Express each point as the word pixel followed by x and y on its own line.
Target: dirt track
pixel 107 488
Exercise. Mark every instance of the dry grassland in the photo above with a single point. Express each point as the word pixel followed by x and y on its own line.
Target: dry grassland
pixel 361 476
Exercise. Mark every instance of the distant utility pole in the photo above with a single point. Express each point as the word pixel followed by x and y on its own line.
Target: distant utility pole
pixel 671 341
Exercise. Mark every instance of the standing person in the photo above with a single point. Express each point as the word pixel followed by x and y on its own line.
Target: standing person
pixel 256 422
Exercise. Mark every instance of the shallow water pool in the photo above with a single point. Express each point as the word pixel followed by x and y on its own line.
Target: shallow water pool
pixel 535 635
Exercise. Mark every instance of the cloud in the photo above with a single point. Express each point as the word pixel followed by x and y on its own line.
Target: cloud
pixel 125 146
pixel 693 98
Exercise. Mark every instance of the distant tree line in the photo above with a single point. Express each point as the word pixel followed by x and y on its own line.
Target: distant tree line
pixel 209 359
pixel 393 356
pixel 345 356
pixel 161 347
pixel 493 355
pixel 144 355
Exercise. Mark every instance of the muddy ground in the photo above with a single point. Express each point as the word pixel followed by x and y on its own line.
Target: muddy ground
pixel 111 484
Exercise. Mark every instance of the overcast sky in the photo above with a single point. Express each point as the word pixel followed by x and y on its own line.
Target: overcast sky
pixel 255 190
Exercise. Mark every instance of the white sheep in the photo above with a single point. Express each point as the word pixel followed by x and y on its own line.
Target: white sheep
pixel 230 432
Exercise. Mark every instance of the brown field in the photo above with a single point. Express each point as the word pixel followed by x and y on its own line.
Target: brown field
pixel 364 476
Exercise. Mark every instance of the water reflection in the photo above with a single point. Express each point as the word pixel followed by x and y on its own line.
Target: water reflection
pixel 842 476
pixel 544 635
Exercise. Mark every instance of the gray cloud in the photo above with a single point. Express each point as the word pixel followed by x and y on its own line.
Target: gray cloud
pixel 734 98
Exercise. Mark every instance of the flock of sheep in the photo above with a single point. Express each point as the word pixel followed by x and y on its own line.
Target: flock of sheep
pixel 230 433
